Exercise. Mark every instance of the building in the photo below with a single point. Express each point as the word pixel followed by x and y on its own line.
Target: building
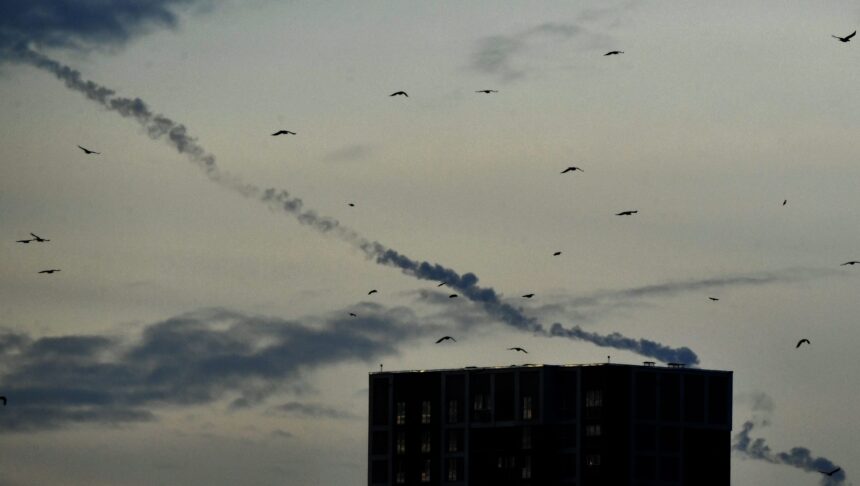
pixel 546 425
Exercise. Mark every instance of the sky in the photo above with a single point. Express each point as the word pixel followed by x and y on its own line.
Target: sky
pixel 199 332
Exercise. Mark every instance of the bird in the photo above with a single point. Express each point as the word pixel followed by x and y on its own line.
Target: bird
pixel 353 314
pixel 518 349
pixel 38 238
pixel 831 473
pixel 847 38
pixel 283 132
pixel 488 91
pixel 4 400
pixel 442 283
pixel 445 338
pixel 372 292
pixel 399 93
pixel 852 262
pixel 613 53
pixel 556 253
pixel 714 299
pixel 804 340
pixel 352 205
pixel 784 202
pixel 528 296
pixel 51 270
pixel 23 241
pixel 626 213
pixel 88 151
pixel 452 296
pixel 572 169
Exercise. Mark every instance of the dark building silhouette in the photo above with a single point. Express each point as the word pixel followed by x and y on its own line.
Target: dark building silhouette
pixel 547 425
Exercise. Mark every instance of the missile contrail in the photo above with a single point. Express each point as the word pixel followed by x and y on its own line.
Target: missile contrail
pixel 158 126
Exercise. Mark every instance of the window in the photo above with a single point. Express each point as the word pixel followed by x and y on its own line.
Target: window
pixel 425 471
pixel 481 402
pixel 527 438
pixel 453 441
pixel 527 467
pixel 400 476
pixel 401 442
pixel 452 470
pixel 453 408
pixel 507 462
pixel 527 408
pixel 425 441
pixel 401 413
pixel 593 430
pixel 425 412
pixel 592 460
pixel 594 398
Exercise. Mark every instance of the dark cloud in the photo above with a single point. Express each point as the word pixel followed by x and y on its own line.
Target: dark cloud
pixel 192 359
pixel 349 153
pixel 84 24
pixel 313 410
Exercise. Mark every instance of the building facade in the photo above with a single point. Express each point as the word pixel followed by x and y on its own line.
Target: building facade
pixel 547 425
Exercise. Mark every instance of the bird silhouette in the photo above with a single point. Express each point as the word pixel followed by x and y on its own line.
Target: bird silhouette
pixel 38 238
pixel 847 38
pixel 831 473
pixel 4 400
pixel 399 93
pixel 353 314
pixel 442 283
pixel 626 213
pixel 714 299
pixel 613 53
pixel 556 253
pixel 88 151
pixel 784 202
pixel 445 338
pixel 852 262
pixel 529 296
pixel 352 205
pixel 804 340
pixel 488 91
pixel 51 270
pixel 518 349
pixel 372 292
pixel 23 241
pixel 452 296
pixel 572 169
pixel 283 132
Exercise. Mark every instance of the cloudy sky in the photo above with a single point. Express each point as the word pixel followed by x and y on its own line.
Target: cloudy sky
pixel 199 330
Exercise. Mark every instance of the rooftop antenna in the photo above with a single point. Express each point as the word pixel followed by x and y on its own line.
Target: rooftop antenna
pixel 608 359
pixel 380 367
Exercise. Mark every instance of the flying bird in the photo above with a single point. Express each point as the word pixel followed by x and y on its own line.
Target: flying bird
pixel 452 296
pixel 613 53
pixel 784 202
pixel 442 283
pixel 518 349
pixel 847 38
pixel 804 340
pixel 556 253
pixel 445 338
pixel 572 169
pixel 52 270
pixel 831 473
pixel 283 132
pixel 852 262
pixel 23 241
pixel 352 205
pixel 714 299
pixel 529 296
pixel 38 238
pixel 88 151
pixel 399 93
pixel 626 213
pixel 488 91
pixel 4 400
pixel 353 314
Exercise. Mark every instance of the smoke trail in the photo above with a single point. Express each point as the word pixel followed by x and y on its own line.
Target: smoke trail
pixel 799 457
pixel 158 126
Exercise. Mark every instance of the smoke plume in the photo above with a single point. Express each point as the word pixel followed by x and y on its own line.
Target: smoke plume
pixel 158 126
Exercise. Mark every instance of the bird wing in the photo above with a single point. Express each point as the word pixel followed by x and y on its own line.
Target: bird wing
pixel 85 150
pixel 851 35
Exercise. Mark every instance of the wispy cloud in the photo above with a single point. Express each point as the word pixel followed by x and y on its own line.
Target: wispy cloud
pixel 313 410
pixel 191 359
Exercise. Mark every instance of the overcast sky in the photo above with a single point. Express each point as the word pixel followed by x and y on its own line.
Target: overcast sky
pixel 199 333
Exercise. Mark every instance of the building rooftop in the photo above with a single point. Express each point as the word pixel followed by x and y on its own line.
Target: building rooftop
pixel 645 364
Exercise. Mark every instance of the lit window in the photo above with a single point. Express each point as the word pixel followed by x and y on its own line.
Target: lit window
pixel 452 411
pixel 401 413
pixel 527 408
pixel 425 441
pixel 527 438
pixel 425 412
pixel 401 442
pixel 453 440
pixel 594 398
pixel 452 470
pixel 425 471
pixel 593 430
pixel 592 460
pixel 400 477
pixel 480 402
pixel 527 467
